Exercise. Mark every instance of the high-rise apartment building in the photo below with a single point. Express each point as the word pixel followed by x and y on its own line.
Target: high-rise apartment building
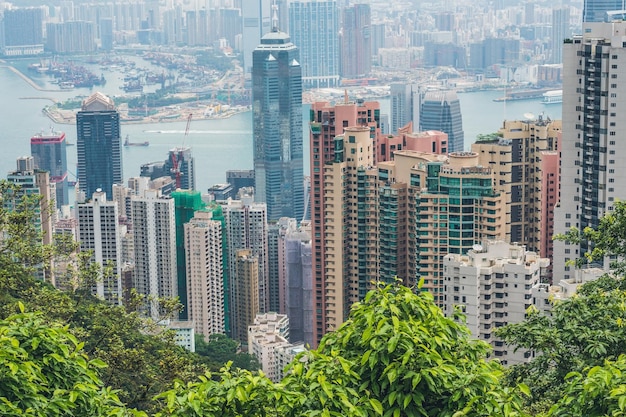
pixel 244 293
pixel 441 110
pixel 314 29
pixel 50 153
pixel 356 41
pixel 519 159
pixel 493 284
pixel 71 37
pixel 277 126
pixel 98 231
pixel 592 155
pixel 205 272
pixel 257 21
pixel 99 145
pixel 596 10
pixel 154 234
pixel 246 228
pixel 22 31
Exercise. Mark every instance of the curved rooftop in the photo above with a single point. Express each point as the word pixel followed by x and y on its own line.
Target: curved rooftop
pixel 98 102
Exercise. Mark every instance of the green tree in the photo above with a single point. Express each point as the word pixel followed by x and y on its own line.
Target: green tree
pixel 220 349
pixel 397 355
pixel 44 372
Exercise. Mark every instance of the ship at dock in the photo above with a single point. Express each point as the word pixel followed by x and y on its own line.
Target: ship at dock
pixel 552 97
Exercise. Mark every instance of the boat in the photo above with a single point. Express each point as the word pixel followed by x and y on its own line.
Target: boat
pixel 553 97
pixel 127 142
pixel 522 95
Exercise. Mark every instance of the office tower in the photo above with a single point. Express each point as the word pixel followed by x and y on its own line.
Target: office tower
pixel 50 154
pixel 493 284
pixel 71 37
pixel 246 228
pixel 33 182
pixel 98 231
pixel 221 192
pixel 592 155
pixel 356 46
pixel 99 145
pixel 441 110
pixel 529 13
pixel 155 170
pixel 596 10
pixel 23 31
pixel 154 234
pixel 230 24
pixel 405 104
pixel 327 122
pixel 240 179
pixel 379 37
pixel 256 23
pixel 277 126
pixel 106 34
pixel 205 262
pixel 560 31
pixel 186 204
pixel 244 293
pixel 181 163
pixel 314 28
pixel 516 157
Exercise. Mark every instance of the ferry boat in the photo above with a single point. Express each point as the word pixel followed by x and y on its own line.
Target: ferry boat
pixel 553 97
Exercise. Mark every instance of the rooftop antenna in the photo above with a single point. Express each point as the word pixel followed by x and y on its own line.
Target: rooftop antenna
pixel 274 16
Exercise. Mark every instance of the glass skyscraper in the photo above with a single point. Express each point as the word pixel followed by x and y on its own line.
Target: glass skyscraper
pixel 50 154
pixel 314 28
pixel 595 10
pixel 99 145
pixel 441 110
pixel 277 127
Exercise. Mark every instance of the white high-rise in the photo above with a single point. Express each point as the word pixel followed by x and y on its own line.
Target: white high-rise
pixel 98 231
pixel 592 152
pixel 205 273
pixel 154 232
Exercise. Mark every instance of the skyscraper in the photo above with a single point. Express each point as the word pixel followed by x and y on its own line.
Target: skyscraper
pixel 22 31
pixel 277 126
pixel 595 10
pixel 256 22
pixel 560 31
pixel 50 153
pixel 314 28
pixel 98 231
pixel 405 104
pixel 356 41
pixel 205 285
pixel 441 110
pixel 180 162
pixel 592 152
pixel 154 234
pixel 99 145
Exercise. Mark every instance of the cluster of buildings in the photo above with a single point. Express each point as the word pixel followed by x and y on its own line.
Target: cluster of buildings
pixel 276 260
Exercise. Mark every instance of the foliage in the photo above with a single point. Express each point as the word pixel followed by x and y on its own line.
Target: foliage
pixel 221 349
pixel 396 355
pixel 599 392
pixel 45 372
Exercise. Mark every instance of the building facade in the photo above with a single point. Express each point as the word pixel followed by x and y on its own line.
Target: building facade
pixel 441 110
pixel 592 154
pixel 277 126
pixel 314 29
pixel 205 272
pixel 50 153
pixel 356 41
pixel 154 235
pixel 99 145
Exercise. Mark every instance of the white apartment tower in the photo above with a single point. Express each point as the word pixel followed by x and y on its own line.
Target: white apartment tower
pixel 205 273
pixel 493 285
pixel 154 232
pixel 593 153
pixel 98 231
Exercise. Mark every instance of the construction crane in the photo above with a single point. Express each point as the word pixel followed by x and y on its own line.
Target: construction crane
pixel 177 154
